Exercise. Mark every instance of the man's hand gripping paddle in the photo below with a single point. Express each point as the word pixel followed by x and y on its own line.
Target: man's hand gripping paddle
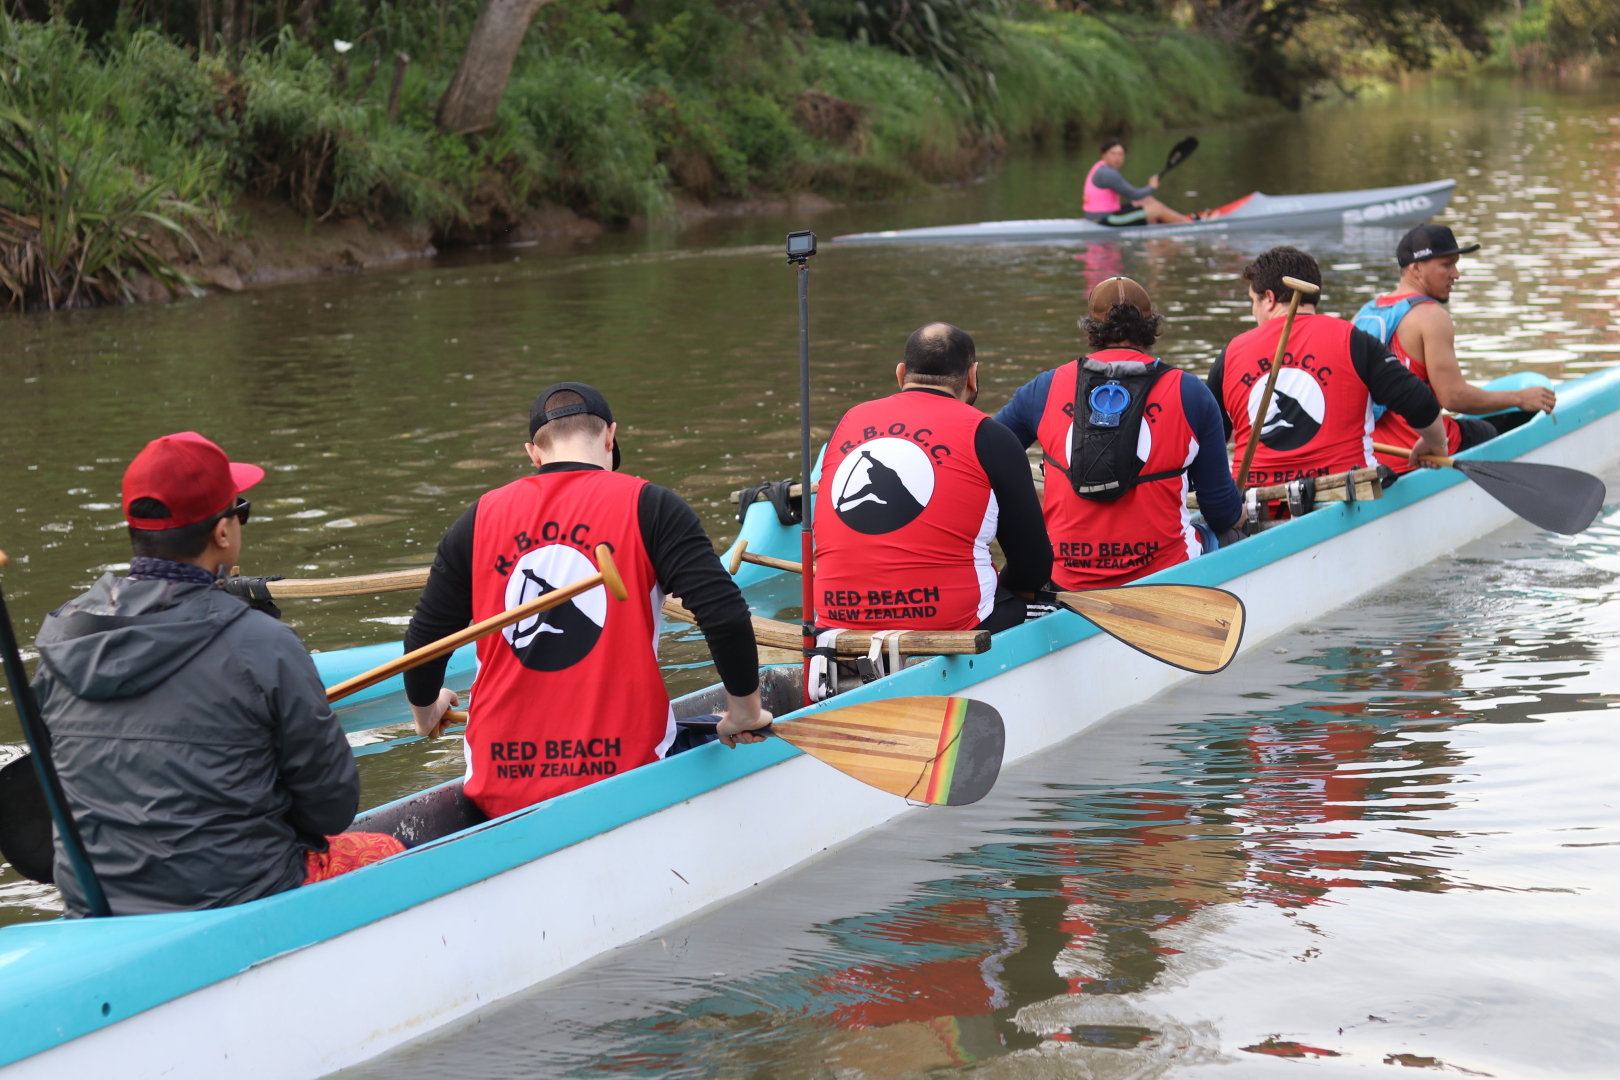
pixel 1258 421
pixel 1549 497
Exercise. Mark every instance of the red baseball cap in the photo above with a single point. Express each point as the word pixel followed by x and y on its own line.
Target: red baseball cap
pixel 189 475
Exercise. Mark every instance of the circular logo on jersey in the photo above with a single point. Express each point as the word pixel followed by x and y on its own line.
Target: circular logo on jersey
pixel 883 485
pixel 564 635
pixel 1297 408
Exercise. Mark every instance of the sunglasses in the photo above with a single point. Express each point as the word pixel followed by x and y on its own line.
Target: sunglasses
pixel 240 510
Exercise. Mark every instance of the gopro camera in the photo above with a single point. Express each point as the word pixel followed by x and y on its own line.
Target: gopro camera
pixel 800 246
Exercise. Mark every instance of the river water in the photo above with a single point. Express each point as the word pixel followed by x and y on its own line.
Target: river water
pixel 382 404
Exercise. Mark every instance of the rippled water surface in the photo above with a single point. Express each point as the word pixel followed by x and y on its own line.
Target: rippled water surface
pixel 1390 845
pixel 1389 838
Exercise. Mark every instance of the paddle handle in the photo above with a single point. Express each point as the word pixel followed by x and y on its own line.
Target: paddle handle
pixel 1300 289
pixel 742 555
pixel 361 585
pixel 608 574
pixel 1395 451
pixel 705 723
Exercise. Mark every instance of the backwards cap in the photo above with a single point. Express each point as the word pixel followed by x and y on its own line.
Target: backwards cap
pixel 189 475
pixel 1119 290
pixel 593 405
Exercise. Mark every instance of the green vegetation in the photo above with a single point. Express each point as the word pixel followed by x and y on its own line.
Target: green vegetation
pixel 1562 34
pixel 153 123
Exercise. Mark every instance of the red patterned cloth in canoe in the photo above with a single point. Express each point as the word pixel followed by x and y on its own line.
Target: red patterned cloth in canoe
pixel 348 851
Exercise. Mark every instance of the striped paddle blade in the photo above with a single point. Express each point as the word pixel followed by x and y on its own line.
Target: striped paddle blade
pixel 941 750
pixel 1187 626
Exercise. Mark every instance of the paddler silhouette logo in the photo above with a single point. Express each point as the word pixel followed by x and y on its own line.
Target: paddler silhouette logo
pixel 565 635
pixel 1297 408
pixel 882 486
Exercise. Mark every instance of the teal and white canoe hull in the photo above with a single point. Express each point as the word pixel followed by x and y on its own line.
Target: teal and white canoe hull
pixel 317 979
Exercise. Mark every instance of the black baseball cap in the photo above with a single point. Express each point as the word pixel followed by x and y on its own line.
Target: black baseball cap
pixel 1428 242
pixel 593 405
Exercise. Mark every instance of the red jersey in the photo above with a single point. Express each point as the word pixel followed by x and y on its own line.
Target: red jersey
pixel 574 694
pixel 904 518
pixel 1101 544
pixel 1390 428
pixel 1321 417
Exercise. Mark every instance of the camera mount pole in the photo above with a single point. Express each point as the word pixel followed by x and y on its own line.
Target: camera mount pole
pixel 799 255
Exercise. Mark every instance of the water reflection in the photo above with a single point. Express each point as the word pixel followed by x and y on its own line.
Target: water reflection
pixel 1173 888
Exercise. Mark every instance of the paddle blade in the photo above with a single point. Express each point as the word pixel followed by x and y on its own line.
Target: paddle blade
pixel 1186 626
pixel 941 750
pixel 1548 496
pixel 1179 153
pixel 25 822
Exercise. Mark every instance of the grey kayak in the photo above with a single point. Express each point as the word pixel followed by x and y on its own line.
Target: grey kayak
pixel 1407 205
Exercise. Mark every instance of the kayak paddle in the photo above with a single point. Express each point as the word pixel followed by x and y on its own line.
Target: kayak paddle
pixel 1192 627
pixel 940 750
pixel 25 822
pixel 46 788
pixel 1549 497
pixel 1179 153
pixel 607 574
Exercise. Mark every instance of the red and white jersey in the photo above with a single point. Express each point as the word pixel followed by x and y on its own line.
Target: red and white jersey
pixel 1097 545
pixel 573 694
pixel 1321 417
pixel 904 518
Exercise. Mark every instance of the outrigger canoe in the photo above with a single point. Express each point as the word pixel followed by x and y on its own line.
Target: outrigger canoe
pixel 317 979
pixel 1256 212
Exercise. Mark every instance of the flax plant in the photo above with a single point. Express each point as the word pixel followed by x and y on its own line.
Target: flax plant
pixel 75 226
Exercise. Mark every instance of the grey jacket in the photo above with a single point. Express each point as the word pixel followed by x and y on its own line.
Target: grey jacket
pixel 195 745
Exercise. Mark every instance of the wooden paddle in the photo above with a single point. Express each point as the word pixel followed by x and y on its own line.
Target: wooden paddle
pixel 1549 497
pixel 360 585
pixel 1192 627
pixel 607 574
pixel 740 554
pixel 1259 421
pixel 940 750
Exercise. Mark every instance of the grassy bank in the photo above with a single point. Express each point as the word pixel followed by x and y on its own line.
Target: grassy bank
pixel 612 110
pixel 1564 36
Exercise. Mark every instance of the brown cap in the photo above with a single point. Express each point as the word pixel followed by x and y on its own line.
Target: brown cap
pixel 1119 290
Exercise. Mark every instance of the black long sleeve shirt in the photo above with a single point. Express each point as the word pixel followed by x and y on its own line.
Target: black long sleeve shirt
pixel 1388 382
pixel 682 556
pixel 1021 527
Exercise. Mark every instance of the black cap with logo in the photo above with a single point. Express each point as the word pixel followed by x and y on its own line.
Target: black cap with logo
pixel 1428 242
pixel 593 405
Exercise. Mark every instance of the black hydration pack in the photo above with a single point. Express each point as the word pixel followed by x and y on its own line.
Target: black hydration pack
pixel 1108 404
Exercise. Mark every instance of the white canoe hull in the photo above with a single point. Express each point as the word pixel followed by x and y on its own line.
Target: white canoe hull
pixel 1410 204
pixel 312 1010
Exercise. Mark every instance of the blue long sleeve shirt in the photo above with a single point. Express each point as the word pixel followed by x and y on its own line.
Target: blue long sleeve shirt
pixel 1210 473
